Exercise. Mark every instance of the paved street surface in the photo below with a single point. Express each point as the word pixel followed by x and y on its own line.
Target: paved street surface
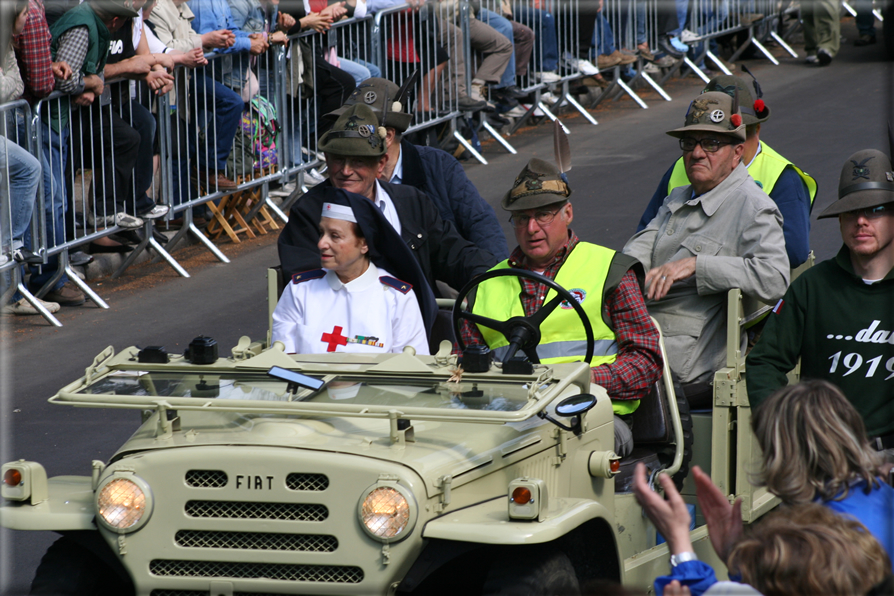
pixel 819 117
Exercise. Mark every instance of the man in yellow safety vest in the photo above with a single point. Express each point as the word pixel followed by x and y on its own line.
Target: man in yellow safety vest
pixel 607 284
pixel 790 188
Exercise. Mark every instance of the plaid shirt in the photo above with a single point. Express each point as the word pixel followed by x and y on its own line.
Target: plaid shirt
pixel 33 53
pixel 638 364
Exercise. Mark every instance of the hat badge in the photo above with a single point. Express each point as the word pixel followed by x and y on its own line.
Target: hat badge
pixel 717 116
pixel 369 97
pixel 860 169
pixel 364 130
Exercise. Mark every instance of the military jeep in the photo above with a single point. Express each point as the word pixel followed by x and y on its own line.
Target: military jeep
pixel 267 473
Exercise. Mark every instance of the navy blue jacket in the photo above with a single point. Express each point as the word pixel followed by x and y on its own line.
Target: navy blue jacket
pixel 789 193
pixel 439 175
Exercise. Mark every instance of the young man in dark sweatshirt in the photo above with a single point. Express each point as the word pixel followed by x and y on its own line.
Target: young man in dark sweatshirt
pixel 838 317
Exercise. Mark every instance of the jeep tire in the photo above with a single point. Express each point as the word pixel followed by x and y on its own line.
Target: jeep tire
pixel 542 570
pixel 70 568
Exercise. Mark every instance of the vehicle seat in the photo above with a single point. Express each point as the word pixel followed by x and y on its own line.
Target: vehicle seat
pixel 652 433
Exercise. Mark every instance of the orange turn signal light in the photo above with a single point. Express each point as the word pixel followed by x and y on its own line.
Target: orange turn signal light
pixel 521 496
pixel 12 477
pixel 615 466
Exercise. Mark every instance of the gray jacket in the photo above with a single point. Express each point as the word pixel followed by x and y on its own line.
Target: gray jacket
pixel 735 233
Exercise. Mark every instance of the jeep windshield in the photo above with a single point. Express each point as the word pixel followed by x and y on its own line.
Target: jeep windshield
pixel 494 395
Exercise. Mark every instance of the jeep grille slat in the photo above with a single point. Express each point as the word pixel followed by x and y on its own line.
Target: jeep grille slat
pixel 205 593
pixel 309 482
pixel 314 543
pixel 257 510
pixel 206 478
pixel 332 574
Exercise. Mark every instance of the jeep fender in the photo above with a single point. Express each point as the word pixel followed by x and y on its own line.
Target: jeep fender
pixel 489 523
pixel 69 506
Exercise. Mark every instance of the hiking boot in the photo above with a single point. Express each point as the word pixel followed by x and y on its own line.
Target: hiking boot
pixel 67 295
pixel 214 178
pixel 607 61
pixel 23 307
pixel 623 58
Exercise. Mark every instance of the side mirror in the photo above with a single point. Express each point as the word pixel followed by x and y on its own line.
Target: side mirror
pixel 572 407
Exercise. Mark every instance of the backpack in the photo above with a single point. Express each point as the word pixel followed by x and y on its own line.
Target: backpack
pixel 256 138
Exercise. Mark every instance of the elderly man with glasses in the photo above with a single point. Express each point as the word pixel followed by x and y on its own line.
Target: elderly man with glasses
pixel 627 360
pixel 721 231
pixel 838 317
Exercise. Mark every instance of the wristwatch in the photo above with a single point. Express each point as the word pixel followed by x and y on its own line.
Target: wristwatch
pixel 683 558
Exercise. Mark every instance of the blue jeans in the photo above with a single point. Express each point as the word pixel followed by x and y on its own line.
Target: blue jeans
pixel 603 39
pixel 638 8
pixel 19 179
pixel 503 27
pixel 865 19
pixel 212 99
pixel 682 11
pixel 546 45
pixel 357 71
pixel 54 150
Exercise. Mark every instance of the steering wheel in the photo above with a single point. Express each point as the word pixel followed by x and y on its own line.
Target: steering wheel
pixel 522 333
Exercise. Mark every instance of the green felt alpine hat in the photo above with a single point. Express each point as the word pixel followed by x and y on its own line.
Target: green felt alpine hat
pixel 753 111
pixel 118 8
pixel 539 183
pixel 866 180
pixel 356 133
pixel 374 92
pixel 713 111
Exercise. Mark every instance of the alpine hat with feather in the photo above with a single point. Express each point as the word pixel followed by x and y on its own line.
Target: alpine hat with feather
pixel 388 101
pixel 541 183
pixel 356 133
pixel 714 111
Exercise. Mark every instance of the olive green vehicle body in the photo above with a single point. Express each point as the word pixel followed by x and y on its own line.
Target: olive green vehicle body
pixel 220 470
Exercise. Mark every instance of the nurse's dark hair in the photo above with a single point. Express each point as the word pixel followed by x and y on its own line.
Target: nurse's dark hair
pixel 814 444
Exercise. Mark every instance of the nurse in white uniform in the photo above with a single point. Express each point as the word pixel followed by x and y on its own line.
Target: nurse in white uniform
pixel 349 305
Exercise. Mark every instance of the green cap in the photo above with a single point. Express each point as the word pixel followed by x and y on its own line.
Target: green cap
pixel 753 111
pixel 355 133
pixel 713 112
pixel 539 183
pixel 374 92
pixel 118 8
pixel 867 180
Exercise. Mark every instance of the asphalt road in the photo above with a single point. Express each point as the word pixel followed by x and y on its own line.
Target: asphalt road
pixel 819 117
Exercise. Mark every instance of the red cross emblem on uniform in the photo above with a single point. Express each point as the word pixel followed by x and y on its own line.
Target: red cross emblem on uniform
pixel 334 339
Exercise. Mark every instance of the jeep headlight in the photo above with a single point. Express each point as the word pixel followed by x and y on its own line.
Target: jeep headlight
pixel 387 512
pixel 123 503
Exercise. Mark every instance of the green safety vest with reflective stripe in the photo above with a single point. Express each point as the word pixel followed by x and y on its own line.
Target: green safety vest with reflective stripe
pixel 562 335
pixel 766 169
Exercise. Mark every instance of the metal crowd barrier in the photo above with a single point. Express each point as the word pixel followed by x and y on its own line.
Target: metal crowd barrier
pixel 406 40
pixel 16 129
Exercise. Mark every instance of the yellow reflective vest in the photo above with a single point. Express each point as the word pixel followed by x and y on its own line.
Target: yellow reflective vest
pixel 562 335
pixel 765 168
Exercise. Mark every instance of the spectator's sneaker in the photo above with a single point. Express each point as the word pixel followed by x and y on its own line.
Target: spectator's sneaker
pixel 604 61
pixel 651 68
pixel 312 177
pixel 585 67
pixel 467 104
pixel 128 221
pixel 156 212
pixel 824 57
pixel 79 258
pixel 548 98
pixel 547 77
pixel 811 59
pixel 516 112
pixel 864 40
pixel 687 36
pixel 102 221
pixel 678 45
pixel 664 62
pixel 666 44
pixel 23 307
pixel 23 255
pixel 508 94
pixel 67 295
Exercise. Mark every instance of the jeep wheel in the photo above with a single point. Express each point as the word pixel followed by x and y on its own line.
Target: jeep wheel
pixel 532 571
pixel 70 568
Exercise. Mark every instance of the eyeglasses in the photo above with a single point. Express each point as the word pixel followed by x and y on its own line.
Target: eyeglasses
pixel 869 213
pixel 543 218
pixel 688 144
